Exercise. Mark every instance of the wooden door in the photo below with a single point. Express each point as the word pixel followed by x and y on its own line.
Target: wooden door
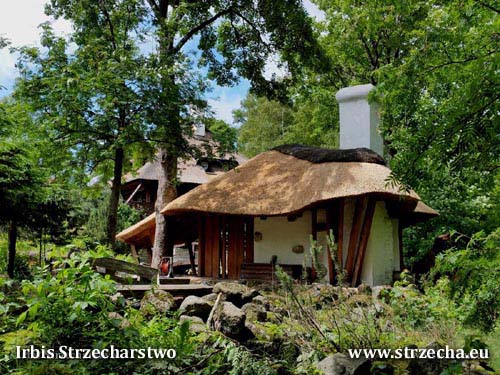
pixel 225 243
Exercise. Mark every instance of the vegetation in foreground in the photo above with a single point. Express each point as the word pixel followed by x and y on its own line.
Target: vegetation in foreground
pixel 70 304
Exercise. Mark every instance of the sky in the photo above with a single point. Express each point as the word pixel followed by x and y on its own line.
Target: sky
pixel 20 20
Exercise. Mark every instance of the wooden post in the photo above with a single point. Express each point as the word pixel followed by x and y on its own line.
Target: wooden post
pixel 400 239
pixel 201 245
pixel 329 226
pixel 134 253
pixel 249 245
pixel 340 233
pixel 314 233
pixel 190 247
pixel 357 223
pixel 363 240
pixel 224 247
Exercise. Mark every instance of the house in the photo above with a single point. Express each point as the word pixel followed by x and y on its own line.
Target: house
pixel 139 188
pixel 268 208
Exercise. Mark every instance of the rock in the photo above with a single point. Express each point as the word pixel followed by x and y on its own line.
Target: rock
pixel 195 323
pixel 428 367
pixel 340 364
pixel 210 298
pixel 262 301
pixel 257 331
pixel 364 289
pixel 254 312
pixel 238 294
pixel 121 321
pixel 118 299
pixel 195 306
pixel 155 301
pixel 229 320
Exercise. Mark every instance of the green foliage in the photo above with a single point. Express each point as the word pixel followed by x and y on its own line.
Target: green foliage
pixel 96 226
pixel 474 277
pixel 264 124
pixel 223 134
pixel 310 119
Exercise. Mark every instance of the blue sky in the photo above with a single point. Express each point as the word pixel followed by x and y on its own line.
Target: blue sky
pixel 19 21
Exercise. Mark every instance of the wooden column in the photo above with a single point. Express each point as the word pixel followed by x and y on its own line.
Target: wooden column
pixel 223 250
pixel 134 253
pixel 191 257
pixel 201 246
pixel 363 240
pixel 335 223
pixel 330 225
pixel 249 245
pixel 357 223
pixel 400 239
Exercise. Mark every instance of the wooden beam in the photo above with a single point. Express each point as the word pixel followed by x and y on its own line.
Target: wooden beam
pixel 400 240
pixel 249 245
pixel 357 222
pixel 133 194
pixel 201 246
pixel 113 265
pixel 314 233
pixel 363 240
pixel 190 247
pixel 134 253
pixel 329 226
pixel 340 232
pixel 224 246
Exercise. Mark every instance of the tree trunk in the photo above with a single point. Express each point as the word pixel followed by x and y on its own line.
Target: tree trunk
pixel 12 247
pixel 167 192
pixel 114 199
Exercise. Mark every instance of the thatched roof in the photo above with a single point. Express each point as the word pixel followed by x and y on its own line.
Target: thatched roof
pixel 189 170
pixel 325 155
pixel 278 183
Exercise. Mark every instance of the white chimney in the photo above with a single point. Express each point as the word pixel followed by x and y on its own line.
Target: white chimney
pixel 358 119
pixel 199 129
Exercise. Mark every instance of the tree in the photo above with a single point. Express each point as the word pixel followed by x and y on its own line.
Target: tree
pixel 236 39
pixel 90 99
pixel 435 65
pixel 22 182
pixel 264 124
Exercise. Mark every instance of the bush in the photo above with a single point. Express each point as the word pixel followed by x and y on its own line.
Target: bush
pixel 474 276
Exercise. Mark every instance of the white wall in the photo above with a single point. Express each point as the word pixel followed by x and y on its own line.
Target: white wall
pixel 279 236
pixel 378 265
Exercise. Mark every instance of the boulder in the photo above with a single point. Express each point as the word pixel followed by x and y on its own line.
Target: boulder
pixel 262 301
pixel 120 321
pixel 195 323
pixel 238 294
pixel 229 320
pixel 427 367
pixel 254 312
pixel 157 301
pixel 340 364
pixel 257 331
pixel 210 298
pixel 195 306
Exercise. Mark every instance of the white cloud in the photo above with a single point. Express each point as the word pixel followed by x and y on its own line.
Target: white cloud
pixel 227 101
pixel 313 10
pixel 19 21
